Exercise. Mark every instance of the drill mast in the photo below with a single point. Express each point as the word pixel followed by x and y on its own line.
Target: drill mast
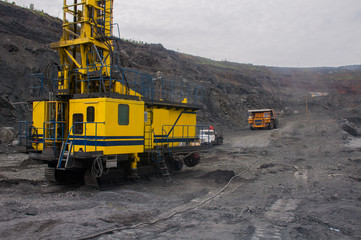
pixel 85 47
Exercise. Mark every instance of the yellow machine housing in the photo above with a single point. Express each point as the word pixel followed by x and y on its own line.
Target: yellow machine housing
pixel 109 125
pixel 169 127
pixel 49 124
pixel 39 116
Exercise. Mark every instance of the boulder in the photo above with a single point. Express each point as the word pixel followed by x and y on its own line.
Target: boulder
pixel 7 134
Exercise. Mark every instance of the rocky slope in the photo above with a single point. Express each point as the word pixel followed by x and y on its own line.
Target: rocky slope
pixel 24 49
pixel 230 88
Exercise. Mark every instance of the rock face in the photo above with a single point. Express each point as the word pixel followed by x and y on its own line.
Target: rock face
pixel 24 49
pixel 230 89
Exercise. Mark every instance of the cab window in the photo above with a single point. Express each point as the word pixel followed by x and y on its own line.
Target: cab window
pixel 78 123
pixel 90 114
pixel 123 114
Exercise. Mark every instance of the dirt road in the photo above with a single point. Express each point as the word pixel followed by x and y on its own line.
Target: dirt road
pixel 301 181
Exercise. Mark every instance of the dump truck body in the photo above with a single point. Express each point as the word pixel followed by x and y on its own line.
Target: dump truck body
pixel 262 119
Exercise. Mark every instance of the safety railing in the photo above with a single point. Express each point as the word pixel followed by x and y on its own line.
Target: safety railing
pixel 131 82
pixel 25 133
pixel 36 83
pixel 158 156
pixel 113 79
pixel 31 137
pixel 181 135
pixel 85 138
pixel 40 84
pixel 81 139
pixel 53 133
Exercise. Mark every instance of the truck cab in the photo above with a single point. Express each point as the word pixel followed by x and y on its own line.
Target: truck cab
pixel 207 136
pixel 210 137
pixel 262 119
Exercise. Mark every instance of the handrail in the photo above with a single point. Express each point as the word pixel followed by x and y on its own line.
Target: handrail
pixel 186 130
pixel 54 131
pixel 34 85
pixel 85 132
pixel 152 88
pixel 167 142
pixel 117 28
pixel 26 136
pixel 85 137
pixel 175 123
pixel 149 87
pixel 63 150
pixel 158 149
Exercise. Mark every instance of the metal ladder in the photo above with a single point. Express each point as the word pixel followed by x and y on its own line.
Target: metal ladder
pixel 148 132
pixel 163 168
pixel 64 152
pixel 147 139
pixel 161 161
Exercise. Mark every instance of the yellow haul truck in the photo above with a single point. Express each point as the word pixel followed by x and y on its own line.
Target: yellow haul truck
pixel 262 118
pixel 94 120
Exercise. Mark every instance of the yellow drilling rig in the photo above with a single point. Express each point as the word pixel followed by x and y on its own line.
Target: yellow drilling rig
pixel 95 120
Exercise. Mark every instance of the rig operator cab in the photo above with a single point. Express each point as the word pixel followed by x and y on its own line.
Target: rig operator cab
pixel 262 119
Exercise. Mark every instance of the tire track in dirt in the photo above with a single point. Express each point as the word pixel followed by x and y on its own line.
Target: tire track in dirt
pixel 280 214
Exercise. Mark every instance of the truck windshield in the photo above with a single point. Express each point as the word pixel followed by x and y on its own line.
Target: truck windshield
pixel 206 132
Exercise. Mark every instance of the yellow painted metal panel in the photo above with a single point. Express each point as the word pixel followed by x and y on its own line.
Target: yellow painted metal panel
pixel 106 134
pixel 78 41
pixel 171 125
pixel 160 118
pixel 39 115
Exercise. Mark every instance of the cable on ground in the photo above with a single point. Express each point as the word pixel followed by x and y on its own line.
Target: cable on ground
pixel 173 214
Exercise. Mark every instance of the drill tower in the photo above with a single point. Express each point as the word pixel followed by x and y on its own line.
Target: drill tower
pixel 85 47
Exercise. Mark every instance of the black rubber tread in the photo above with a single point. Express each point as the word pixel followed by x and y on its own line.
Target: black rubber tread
pixel 50 174
pixel 90 180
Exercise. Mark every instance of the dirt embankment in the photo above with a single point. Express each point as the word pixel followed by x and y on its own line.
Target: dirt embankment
pixel 24 49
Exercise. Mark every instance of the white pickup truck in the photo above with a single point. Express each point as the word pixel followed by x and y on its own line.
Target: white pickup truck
pixel 209 136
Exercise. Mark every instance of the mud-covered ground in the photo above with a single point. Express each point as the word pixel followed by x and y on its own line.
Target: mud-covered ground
pixel 301 181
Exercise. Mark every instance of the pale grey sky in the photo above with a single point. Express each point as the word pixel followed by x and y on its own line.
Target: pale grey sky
pixel 285 33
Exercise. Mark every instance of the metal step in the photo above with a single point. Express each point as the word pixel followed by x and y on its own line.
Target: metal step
pixel 64 153
pixel 50 174
pixel 164 170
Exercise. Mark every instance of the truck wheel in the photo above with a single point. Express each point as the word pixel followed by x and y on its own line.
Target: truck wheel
pixel 192 160
pixel 178 165
pixel 252 128
pixel 271 124
pixel 275 125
